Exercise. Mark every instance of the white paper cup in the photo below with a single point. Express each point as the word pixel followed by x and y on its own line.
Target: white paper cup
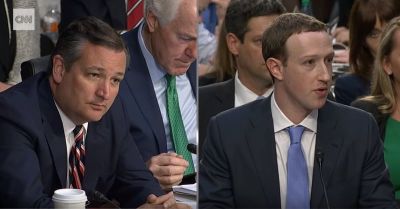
pixel 69 199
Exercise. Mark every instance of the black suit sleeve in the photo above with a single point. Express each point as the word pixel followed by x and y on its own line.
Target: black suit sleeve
pixel 20 175
pixel 376 189
pixel 134 182
pixel 215 188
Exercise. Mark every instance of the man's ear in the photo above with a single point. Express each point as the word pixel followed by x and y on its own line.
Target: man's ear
pixel 58 69
pixel 152 21
pixel 275 67
pixel 233 43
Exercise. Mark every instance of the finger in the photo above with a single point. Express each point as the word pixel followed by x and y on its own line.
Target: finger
pixel 170 201
pixel 170 160
pixel 170 180
pixel 182 206
pixel 151 199
pixel 170 170
pixel 154 200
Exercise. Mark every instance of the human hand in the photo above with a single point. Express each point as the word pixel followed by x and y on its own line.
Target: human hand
pixel 163 201
pixel 341 34
pixel 4 86
pixel 341 56
pixel 167 168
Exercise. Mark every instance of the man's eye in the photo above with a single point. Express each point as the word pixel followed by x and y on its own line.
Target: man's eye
pixel 115 81
pixel 94 75
pixel 309 62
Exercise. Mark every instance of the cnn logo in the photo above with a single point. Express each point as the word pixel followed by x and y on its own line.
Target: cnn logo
pixel 23 19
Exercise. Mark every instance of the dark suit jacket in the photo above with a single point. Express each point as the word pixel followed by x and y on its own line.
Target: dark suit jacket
pixel 213 99
pixel 7 48
pixel 349 87
pixel 112 12
pixel 34 159
pixel 372 108
pixel 239 165
pixel 139 99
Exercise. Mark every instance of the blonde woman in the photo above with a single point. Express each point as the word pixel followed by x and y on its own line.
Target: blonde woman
pixel 384 100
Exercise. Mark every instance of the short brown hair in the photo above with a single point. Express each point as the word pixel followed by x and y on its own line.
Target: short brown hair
pixel 275 37
pixel 82 31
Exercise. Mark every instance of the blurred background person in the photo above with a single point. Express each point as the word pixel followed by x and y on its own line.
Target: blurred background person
pixel 112 12
pixel 367 20
pixel 384 101
pixel 16 46
pixel 207 39
pixel 245 22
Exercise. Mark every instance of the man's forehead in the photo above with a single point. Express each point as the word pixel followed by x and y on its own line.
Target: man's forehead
pixel 310 43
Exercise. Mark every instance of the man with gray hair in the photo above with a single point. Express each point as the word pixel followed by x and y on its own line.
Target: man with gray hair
pixel 159 89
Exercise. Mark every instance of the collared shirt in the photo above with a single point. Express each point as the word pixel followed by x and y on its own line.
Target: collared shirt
pixel 282 140
pixel 243 95
pixel 69 126
pixel 187 100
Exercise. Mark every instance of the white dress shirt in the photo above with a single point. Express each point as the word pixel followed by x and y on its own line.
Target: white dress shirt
pixel 69 126
pixel 282 140
pixel 243 95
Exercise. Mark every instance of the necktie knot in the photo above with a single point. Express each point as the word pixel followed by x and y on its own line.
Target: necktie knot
pixel 295 133
pixel 171 83
pixel 78 133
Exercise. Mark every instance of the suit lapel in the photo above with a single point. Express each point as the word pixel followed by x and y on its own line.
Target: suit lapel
pixel 261 141
pixel 54 131
pixel 226 95
pixel 329 144
pixel 94 144
pixel 192 75
pixel 141 88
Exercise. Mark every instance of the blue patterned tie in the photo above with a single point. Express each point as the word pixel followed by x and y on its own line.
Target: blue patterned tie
pixel 297 173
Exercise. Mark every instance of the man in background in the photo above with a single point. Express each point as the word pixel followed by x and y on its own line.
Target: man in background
pixel 245 22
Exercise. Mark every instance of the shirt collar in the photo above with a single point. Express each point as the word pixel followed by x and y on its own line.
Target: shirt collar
pixel 67 123
pixel 244 94
pixel 156 71
pixel 282 122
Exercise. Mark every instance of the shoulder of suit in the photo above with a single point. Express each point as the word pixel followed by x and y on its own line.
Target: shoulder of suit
pixel 216 86
pixel 344 112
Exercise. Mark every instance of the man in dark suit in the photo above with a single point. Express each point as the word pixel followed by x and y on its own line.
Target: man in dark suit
pixel 245 22
pixel 7 42
pixel 269 153
pixel 163 46
pixel 40 152
pixel 112 12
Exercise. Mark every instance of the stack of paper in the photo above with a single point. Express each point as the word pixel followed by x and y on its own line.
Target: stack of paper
pixel 185 193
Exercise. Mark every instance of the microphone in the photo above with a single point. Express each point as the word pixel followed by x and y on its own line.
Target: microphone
pixel 320 158
pixel 96 197
pixel 192 148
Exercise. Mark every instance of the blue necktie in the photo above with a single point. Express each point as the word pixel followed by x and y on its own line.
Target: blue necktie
pixel 297 195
